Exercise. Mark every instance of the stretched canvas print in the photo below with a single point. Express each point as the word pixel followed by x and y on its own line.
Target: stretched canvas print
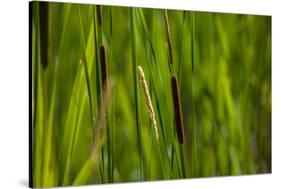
pixel 127 94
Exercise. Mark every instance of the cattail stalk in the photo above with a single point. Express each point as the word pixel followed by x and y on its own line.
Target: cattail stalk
pixel 169 39
pixel 100 125
pixel 177 109
pixel 148 100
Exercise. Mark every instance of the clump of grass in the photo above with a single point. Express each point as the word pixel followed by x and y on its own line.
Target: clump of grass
pixel 169 40
pixel 148 101
pixel 177 109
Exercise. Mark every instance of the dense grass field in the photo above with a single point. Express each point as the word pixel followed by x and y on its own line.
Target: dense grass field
pixel 125 94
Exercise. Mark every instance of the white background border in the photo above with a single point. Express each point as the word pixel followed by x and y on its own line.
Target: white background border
pixel 14 91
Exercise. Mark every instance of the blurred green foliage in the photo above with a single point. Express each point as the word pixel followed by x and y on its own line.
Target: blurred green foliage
pixel 222 61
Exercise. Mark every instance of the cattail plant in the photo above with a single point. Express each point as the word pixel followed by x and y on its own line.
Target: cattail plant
pixel 169 40
pixel 99 14
pixel 104 80
pixel 177 108
pixel 103 66
pixel 148 100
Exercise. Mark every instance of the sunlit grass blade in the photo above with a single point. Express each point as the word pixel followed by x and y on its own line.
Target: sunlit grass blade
pixel 134 70
pixel 85 65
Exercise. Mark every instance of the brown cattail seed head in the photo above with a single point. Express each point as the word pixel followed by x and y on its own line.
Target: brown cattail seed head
pixel 99 14
pixel 177 109
pixel 103 62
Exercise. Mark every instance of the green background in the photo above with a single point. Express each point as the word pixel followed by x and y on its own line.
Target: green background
pixel 223 65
